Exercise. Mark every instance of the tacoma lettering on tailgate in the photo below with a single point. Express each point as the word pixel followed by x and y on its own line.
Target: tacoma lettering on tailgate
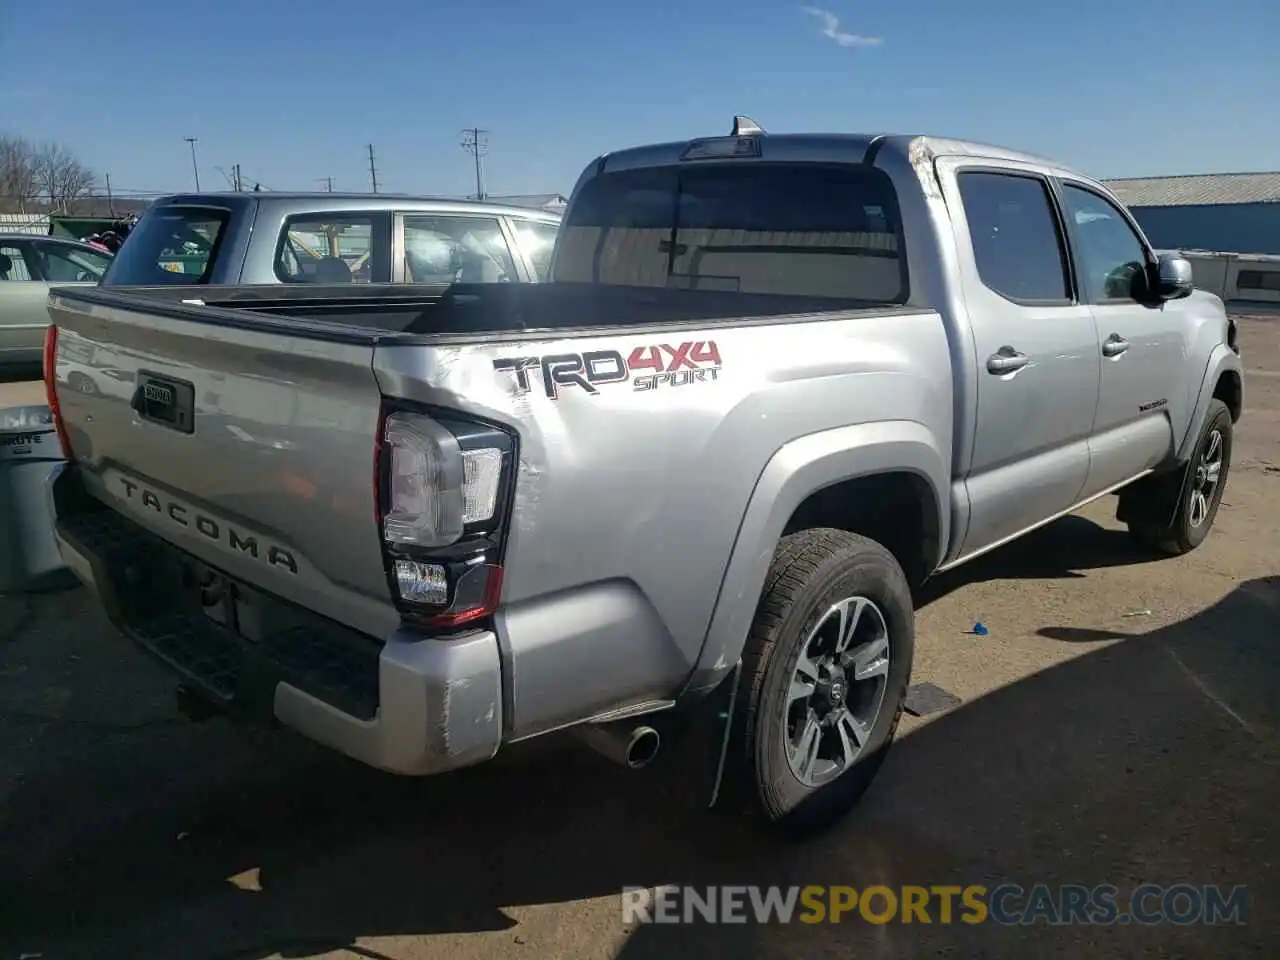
pixel 219 531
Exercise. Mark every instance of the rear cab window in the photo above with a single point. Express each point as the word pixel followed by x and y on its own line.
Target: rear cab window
pixel 805 229
pixel 170 245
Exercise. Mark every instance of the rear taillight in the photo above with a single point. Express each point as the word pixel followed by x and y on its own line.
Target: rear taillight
pixel 443 489
pixel 50 372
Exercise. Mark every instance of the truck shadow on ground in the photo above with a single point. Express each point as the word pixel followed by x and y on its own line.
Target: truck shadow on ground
pixel 1062 550
pixel 1152 759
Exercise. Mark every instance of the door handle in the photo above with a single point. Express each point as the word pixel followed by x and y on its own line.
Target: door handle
pixel 1114 345
pixel 1006 360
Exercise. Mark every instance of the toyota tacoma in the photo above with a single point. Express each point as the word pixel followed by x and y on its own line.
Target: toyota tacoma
pixel 774 383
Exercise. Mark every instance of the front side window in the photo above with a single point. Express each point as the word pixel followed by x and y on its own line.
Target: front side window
pixel 1017 246
pixel 13 263
pixel 802 229
pixel 328 248
pixel 446 249
pixel 170 245
pixel 63 264
pixel 1113 261
pixel 537 239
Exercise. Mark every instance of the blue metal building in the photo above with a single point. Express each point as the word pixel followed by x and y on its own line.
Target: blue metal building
pixel 1230 212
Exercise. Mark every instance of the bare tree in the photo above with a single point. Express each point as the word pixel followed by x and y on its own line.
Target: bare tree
pixel 61 178
pixel 34 176
pixel 18 181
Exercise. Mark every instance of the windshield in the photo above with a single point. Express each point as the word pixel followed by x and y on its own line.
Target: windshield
pixel 170 245
pixel 796 229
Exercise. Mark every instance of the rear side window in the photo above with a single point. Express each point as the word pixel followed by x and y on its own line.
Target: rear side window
pixel 1017 245
pixel 449 249
pixel 792 229
pixel 537 239
pixel 334 248
pixel 1259 280
pixel 67 264
pixel 170 245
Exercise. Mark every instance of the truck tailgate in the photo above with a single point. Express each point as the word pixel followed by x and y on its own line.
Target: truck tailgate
pixel 251 448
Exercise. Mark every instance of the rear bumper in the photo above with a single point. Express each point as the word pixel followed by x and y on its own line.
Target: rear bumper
pixel 411 704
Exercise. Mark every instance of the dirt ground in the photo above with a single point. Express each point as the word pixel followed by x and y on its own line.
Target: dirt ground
pixel 1120 724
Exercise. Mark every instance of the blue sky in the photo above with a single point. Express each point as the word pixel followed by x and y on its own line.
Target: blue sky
pixel 293 91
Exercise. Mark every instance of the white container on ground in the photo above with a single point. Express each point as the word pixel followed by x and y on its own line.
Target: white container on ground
pixel 29 451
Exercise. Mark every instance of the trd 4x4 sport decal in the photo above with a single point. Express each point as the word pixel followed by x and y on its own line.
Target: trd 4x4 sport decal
pixel 647 367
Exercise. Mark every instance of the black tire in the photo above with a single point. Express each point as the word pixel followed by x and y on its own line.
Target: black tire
pixel 1183 534
pixel 812 570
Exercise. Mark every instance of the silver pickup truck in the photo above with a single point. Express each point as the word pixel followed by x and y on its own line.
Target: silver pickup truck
pixel 775 382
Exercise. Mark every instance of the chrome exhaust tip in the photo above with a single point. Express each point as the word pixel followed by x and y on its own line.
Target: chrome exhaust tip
pixel 632 748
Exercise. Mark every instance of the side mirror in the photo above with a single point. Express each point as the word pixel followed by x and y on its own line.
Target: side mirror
pixel 1173 277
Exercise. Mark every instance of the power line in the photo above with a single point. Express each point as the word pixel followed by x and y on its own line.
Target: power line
pixel 257 184
pixel 476 142
pixel 232 178
pixel 373 170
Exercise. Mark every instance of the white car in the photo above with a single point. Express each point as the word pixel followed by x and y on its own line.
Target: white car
pixel 29 266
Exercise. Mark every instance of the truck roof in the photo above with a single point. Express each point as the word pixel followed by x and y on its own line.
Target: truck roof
pixel 835 147
pixel 311 201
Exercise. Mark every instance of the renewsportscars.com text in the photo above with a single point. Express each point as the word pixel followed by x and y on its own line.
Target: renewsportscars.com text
pixel 1006 904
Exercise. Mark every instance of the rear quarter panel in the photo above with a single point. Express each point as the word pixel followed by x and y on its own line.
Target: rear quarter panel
pixel 23 320
pixel 631 496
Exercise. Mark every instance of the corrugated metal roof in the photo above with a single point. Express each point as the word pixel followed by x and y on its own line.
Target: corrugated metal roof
pixel 1203 188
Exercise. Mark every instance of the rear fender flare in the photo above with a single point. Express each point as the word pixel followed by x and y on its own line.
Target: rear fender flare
pixel 798 469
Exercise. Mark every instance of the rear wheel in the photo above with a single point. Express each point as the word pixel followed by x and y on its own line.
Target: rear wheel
pixel 825 674
pixel 82 383
pixel 1201 484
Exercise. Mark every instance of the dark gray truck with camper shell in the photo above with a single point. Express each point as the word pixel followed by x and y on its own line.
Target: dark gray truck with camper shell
pixel 773 384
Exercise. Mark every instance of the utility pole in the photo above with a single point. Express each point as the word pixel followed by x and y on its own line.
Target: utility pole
pixel 328 184
pixel 373 170
pixel 195 168
pixel 476 142
pixel 111 204
pixel 235 178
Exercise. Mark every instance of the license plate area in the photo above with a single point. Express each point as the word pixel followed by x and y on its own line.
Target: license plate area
pixel 252 616
pixel 165 401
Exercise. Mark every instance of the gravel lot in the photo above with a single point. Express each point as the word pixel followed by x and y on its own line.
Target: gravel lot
pixel 1119 724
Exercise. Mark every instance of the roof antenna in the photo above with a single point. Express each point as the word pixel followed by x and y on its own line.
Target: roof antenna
pixel 745 127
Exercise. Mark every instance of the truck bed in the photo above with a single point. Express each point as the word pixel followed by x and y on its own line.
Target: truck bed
pixel 458 310
pixel 263 457
pixel 280 400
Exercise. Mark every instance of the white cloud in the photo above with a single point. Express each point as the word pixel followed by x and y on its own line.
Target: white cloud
pixel 831 29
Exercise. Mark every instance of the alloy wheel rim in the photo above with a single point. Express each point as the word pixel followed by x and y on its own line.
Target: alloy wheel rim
pixel 1204 485
pixel 837 691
